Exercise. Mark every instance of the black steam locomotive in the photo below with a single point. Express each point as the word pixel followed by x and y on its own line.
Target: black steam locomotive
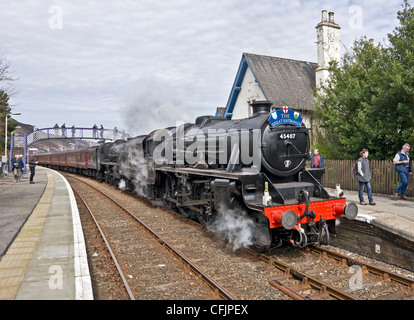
pixel 253 169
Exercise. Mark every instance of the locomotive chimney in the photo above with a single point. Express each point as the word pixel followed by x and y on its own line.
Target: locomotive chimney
pixel 260 107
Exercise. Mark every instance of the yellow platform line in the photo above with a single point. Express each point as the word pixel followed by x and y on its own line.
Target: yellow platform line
pixel 14 263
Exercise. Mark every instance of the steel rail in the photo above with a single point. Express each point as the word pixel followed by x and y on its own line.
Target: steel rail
pixel 368 267
pixel 215 286
pixel 118 267
pixel 313 282
pixel 294 295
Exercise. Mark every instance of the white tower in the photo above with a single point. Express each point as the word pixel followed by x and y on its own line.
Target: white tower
pixel 328 46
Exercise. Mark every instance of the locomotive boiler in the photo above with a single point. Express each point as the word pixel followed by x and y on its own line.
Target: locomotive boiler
pixel 252 167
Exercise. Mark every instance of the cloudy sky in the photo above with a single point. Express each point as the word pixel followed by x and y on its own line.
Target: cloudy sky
pixel 141 64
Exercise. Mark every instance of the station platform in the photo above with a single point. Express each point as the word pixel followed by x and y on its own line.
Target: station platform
pixel 395 216
pixel 42 250
pixel 384 232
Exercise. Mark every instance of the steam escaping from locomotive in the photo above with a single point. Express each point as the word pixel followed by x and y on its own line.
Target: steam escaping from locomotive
pixel 122 184
pixel 235 226
pixel 134 168
pixel 151 103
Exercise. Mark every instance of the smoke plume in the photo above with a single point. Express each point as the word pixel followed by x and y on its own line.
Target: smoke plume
pixel 152 103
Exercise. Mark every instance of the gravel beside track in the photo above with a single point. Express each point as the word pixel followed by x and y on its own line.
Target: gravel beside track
pixel 239 273
pixel 152 272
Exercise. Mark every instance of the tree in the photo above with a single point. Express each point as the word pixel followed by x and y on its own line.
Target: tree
pixel 4 110
pixel 369 101
pixel 6 89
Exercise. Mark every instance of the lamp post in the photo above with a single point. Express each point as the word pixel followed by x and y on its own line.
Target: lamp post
pixel 6 167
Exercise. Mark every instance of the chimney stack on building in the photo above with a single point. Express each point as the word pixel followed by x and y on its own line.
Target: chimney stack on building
pixel 328 46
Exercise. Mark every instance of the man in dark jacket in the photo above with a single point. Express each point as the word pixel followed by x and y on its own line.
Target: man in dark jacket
pixel 32 164
pixel 364 177
pixel 403 168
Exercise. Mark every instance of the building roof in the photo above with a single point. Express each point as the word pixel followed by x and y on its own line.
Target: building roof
pixel 283 81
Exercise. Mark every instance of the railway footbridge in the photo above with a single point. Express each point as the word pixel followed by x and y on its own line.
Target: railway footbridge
pixel 75 133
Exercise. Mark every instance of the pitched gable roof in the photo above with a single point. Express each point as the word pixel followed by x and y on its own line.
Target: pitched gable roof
pixel 283 81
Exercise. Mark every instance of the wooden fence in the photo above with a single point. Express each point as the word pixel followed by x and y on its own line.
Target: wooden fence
pixel 384 178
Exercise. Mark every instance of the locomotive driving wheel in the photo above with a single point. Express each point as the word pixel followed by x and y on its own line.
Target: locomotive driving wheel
pixel 186 212
pixel 169 193
pixel 206 214
pixel 207 217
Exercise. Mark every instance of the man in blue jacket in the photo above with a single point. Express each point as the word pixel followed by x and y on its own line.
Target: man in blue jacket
pixel 402 164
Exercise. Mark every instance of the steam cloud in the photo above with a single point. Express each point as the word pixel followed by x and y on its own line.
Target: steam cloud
pixel 235 226
pixel 135 169
pixel 151 103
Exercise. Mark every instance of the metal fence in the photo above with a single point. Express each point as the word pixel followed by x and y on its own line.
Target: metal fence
pixel 384 178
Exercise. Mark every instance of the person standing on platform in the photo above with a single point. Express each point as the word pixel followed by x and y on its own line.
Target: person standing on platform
pixel 402 164
pixel 16 168
pixel 316 161
pixel 32 164
pixel 21 163
pixel 364 178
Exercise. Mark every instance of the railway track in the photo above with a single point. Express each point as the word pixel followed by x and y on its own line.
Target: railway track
pixel 315 273
pixel 339 277
pixel 99 200
pixel 114 264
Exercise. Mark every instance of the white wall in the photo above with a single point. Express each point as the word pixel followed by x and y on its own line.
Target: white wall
pixel 250 91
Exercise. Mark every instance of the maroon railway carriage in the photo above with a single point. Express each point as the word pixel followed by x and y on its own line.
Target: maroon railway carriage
pixel 72 161
pixel 77 159
pixel 44 159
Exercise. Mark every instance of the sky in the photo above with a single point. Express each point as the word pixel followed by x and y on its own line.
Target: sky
pixel 143 65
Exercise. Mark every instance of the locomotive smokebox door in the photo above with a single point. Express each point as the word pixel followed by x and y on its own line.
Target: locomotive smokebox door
pixel 290 144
